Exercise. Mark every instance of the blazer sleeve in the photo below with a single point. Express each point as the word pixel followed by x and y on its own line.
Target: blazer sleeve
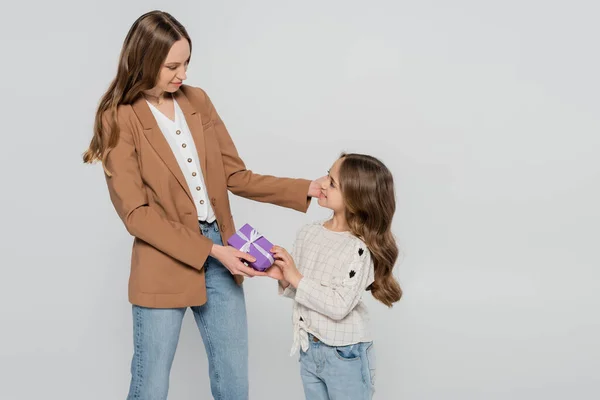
pixel 285 192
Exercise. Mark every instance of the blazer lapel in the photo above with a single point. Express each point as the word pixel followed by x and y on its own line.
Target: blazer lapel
pixel 158 141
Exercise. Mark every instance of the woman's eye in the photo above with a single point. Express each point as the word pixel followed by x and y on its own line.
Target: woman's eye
pixel 172 68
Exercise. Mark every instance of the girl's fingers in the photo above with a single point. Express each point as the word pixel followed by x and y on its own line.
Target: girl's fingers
pixel 278 255
pixel 286 257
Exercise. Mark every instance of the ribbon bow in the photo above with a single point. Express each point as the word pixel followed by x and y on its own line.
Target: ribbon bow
pixel 254 236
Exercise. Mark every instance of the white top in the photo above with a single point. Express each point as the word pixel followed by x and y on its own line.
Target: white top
pixel 182 144
pixel 337 268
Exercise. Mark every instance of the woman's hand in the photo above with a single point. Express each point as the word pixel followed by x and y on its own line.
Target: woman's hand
pixel 232 258
pixel 286 263
pixel 314 190
pixel 274 272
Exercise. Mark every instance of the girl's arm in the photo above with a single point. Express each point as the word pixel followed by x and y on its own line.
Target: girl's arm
pixel 285 289
pixel 336 299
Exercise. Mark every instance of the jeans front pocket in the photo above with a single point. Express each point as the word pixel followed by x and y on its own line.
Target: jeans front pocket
pixel 347 353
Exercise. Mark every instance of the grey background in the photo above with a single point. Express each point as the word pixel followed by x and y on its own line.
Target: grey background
pixel 486 112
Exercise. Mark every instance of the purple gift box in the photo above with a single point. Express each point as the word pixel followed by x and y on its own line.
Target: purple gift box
pixel 248 240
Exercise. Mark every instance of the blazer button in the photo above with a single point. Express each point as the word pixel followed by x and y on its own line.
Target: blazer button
pixel 201 201
pixel 198 188
pixel 178 132
pixel 189 160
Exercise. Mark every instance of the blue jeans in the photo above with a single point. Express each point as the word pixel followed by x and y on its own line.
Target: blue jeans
pixel 222 324
pixel 338 373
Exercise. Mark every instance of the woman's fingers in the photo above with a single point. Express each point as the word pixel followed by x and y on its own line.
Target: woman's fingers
pixel 245 256
pixel 249 271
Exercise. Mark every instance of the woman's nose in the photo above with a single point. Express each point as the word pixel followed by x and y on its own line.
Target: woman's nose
pixel 182 75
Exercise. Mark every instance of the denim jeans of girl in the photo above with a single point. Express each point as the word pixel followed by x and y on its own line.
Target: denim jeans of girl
pixel 338 373
pixel 223 327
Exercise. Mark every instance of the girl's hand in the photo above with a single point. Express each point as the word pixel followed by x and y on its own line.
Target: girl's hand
pixel 284 260
pixel 276 273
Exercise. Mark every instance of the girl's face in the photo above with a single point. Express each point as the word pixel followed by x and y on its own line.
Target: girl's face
pixel 173 71
pixel 331 195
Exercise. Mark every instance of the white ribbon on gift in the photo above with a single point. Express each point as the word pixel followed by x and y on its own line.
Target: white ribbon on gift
pixel 254 236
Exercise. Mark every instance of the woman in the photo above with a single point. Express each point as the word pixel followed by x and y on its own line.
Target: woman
pixel 169 162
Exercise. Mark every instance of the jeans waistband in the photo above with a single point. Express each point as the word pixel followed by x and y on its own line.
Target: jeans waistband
pixel 313 338
pixel 209 225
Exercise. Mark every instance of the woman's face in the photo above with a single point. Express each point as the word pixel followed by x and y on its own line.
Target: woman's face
pixel 173 71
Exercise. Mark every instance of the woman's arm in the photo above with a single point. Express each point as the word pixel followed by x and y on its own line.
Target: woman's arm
pixel 285 192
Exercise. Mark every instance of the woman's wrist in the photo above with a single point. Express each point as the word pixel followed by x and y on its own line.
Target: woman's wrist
pixel 215 250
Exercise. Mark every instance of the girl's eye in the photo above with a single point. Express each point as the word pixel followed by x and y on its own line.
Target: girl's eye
pixel 172 68
pixel 331 184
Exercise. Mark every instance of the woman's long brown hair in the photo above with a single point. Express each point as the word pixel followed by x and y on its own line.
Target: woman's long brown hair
pixel 368 190
pixel 144 51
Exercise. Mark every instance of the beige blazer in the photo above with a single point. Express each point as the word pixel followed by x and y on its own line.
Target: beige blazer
pixel 150 194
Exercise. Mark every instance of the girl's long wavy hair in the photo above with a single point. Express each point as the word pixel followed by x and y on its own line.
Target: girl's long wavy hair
pixel 367 188
pixel 144 51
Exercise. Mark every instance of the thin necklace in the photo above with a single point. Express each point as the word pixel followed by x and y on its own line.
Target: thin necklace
pixel 158 101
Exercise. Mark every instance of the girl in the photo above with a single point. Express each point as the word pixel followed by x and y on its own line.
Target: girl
pixel 333 263
pixel 169 164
